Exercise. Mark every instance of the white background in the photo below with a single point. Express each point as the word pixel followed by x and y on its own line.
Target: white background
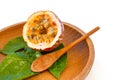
pixel 85 14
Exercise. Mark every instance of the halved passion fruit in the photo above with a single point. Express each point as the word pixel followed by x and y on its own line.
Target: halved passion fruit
pixel 43 31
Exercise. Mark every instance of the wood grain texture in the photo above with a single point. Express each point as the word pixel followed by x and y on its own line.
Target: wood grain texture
pixel 79 59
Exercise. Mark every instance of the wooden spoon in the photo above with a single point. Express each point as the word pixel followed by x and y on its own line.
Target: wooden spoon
pixel 45 61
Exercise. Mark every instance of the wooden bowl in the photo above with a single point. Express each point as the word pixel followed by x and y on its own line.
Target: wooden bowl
pixel 79 59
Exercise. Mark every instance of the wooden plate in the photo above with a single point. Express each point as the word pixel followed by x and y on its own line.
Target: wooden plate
pixel 79 59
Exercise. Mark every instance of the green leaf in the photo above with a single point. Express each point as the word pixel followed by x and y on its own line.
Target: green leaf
pixel 16 66
pixel 13 45
pixel 57 68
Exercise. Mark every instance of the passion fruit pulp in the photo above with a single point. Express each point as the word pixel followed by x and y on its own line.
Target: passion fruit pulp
pixel 43 31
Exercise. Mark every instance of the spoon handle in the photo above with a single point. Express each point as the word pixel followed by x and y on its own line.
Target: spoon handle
pixel 79 40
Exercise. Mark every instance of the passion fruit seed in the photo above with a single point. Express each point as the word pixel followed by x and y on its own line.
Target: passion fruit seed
pixel 43 29
pixel 33 29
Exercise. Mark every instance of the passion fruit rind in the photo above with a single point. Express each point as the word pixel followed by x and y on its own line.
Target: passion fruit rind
pixel 43 31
